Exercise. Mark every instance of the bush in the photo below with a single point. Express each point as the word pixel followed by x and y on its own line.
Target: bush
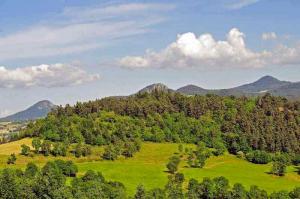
pixel 25 150
pixel 173 164
pixel 259 157
pixel 12 159
pixel 109 153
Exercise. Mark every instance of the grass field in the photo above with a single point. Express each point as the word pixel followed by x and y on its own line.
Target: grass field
pixel 147 167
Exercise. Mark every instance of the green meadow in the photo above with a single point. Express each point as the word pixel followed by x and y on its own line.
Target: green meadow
pixel 147 167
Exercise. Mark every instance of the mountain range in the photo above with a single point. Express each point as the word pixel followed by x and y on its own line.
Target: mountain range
pixel 266 84
pixel 38 110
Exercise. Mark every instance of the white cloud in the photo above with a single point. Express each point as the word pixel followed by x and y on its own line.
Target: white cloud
pixel 269 36
pixel 56 75
pixel 203 51
pixel 81 29
pixel 206 52
pixel 238 4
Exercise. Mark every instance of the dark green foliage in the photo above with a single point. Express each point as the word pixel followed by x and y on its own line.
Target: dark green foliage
pixel 238 191
pixel 174 188
pixel 267 123
pixel 197 158
pixel 295 193
pixel 140 192
pixel 173 164
pixel 256 193
pixel 46 147
pixel 259 157
pixel 68 168
pixel 12 159
pixel 9 188
pixel 36 144
pixel 31 170
pixel 110 153
pixel 280 195
pixel 280 162
pixel 278 168
pixel 25 150
pixel 59 149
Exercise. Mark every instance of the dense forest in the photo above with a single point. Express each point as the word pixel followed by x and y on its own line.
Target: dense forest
pixel 50 182
pixel 265 123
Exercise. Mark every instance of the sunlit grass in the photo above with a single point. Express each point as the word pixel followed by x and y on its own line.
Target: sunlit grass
pixel 147 167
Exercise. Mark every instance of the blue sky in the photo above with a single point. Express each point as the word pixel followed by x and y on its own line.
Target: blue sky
pixel 68 51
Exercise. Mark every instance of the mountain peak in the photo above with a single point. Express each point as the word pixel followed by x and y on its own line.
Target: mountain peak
pixel 38 110
pixel 268 79
pixel 191 89
pixel 44 104
pixel 155 87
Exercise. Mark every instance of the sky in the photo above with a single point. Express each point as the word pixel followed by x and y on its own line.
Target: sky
pixel 78 50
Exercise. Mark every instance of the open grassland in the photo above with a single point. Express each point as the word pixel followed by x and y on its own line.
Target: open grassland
pixel 147 167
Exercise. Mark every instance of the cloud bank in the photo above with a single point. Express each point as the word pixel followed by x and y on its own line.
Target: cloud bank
pixel 206 52
pixel 56 75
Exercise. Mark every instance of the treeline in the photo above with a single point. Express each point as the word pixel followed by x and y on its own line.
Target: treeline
pixel 265 123
pixel 50 182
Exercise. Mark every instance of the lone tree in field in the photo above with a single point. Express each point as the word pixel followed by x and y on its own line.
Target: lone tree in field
pixel 173 164
pixel 36 144
pixel 25 150
pixel 278 168
pixel 12 159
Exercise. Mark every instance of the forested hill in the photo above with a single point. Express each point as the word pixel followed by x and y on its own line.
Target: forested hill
pixel 240 124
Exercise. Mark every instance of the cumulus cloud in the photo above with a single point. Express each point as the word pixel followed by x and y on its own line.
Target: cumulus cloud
pixel 55 75
pixel 203 51
pixel 269 36
pixel 206 52
pixel 79 29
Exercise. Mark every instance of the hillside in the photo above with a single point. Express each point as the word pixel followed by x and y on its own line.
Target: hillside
pixel 38 110
pixel 148 167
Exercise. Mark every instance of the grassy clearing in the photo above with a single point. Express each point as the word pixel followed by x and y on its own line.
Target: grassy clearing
pixel 147 167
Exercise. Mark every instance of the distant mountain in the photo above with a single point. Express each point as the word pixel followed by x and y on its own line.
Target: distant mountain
pixel 192 90
pixel 38 110
pixel 155 87
pixel 266 84
pixel 291 91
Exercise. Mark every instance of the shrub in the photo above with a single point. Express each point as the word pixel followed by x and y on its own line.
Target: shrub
pixel 173 164
pixel 259 157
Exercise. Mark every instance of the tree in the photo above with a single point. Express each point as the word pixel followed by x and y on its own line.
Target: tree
pixel 25 150
pixel 78 150
pixel 46 147
pixel 109 153
pixel 36 144
pixel 12 159
pixel 9 187
pixel 31 170
pixel 173 164
pixel 278 168
pixel 86 150
pixel 140 192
